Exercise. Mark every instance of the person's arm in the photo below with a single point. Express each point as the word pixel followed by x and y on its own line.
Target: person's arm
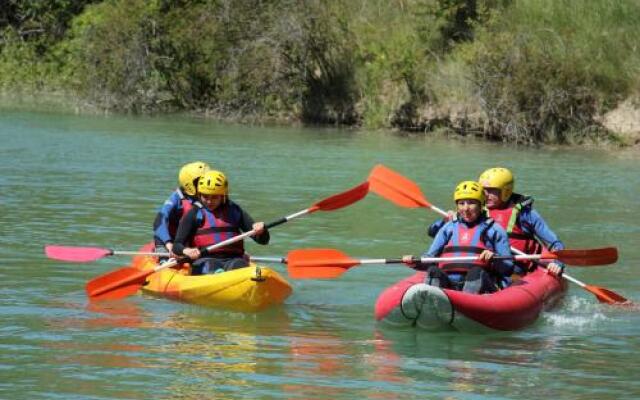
pixel 186 231
pixel 161 223
pixel 247 224
pixel 541 230
pixel 434 228
pixel 441 239
pixel 500 242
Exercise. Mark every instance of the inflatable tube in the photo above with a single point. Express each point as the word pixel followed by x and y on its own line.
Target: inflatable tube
pixel 411 302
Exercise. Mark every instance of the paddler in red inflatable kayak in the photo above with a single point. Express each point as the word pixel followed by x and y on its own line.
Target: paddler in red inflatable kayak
pixel 471 233
pixel 525 227
pixel 514 212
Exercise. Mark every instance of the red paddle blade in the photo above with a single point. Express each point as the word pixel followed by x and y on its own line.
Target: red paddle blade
pixel 586 257
pixel 318 263
pixel 116 284
pixel 343 199
pixel 606 296
pixel 76 254
pixel 396 188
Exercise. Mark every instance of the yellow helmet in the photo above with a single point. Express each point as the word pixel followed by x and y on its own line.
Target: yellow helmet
pixel 469 190
pixel 213 182
pixel 189 175
pixel 498 178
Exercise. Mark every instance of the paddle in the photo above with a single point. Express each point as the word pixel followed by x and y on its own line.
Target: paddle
pixel 331 263
pixel 126 281
pixel 406 193
pixel 603 295
pixel 88 254
pixel 398 189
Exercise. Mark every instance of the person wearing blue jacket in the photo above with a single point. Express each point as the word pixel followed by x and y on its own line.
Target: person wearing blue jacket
pixel 527 230
pixel 177 206
pixel 472 233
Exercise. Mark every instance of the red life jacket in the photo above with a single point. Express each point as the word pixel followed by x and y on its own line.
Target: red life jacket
pixel 185 205
pixel 508 219
pixel 217 226
pixel 465 241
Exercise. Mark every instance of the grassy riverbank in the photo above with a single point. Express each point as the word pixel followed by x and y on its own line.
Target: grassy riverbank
pixel 540 71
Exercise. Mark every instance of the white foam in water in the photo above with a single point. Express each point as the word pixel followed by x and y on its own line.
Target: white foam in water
pixel 576 313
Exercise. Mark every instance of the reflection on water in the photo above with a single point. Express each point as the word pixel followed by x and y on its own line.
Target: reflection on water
pixel 305 352
pixel 101 316
pixel 106 314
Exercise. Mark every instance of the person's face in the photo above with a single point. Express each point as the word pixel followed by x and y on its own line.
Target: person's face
pixel 493 197
pixel 469 210
pixel 211 201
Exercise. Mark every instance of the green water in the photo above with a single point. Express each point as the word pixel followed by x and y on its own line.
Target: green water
pixel 97 181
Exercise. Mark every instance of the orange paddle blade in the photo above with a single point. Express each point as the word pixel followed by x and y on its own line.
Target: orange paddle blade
pixel 606 296
pixel 396 188
pixel 585 257
pixel 343 199
pixel 318 263
pixel 116 284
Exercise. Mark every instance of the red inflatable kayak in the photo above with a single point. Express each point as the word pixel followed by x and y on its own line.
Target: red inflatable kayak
pixel 411 302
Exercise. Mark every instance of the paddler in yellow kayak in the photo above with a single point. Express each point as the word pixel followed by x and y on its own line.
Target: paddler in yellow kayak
pixel 214 219
pixel 177 206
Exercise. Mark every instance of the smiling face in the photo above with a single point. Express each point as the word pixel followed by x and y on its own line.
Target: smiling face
pixel 211 201
pixel 493 196
pixel 469 210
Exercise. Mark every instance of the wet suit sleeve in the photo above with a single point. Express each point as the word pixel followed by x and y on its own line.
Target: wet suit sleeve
pixel 186 231
pixel 161 223
pixel 500 243
pixel 246 224
pixel 434 228
pixel 538 226
pixel 442 238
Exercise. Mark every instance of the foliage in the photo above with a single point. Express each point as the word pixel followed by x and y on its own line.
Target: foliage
pixel 545 69
pixel 111 57
pixel 223 57
pixel 540 70
pixel 28 30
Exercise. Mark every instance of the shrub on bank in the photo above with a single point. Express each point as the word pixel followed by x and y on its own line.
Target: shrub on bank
pixel 533 71
pixel 546 69
pixel 284 59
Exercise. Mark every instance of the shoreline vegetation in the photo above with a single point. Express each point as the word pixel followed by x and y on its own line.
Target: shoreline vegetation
pixel 534 72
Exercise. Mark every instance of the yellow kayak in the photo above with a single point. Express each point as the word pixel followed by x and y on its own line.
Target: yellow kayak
pixel 249 289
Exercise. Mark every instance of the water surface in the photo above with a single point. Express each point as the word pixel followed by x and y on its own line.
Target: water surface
pixel 97 181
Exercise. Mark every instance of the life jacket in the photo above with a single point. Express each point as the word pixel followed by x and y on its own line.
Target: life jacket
pixel 185 205
pixel 217 226
pixel 508 218
pixel 465 241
